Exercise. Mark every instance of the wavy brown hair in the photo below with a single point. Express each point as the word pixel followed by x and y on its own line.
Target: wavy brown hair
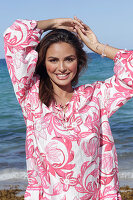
pixel 46 93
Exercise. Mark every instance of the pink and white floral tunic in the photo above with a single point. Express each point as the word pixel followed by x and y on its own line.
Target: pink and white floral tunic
pixel 71 155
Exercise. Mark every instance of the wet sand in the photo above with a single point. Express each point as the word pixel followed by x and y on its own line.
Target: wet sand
pixel 14 193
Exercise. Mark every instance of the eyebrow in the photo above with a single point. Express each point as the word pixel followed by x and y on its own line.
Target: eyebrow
pixel 52 57
pixel 65 57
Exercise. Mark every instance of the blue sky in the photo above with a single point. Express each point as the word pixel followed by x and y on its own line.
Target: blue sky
pixel 112 21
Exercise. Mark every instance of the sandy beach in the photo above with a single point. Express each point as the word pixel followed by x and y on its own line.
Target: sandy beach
pixel 14 193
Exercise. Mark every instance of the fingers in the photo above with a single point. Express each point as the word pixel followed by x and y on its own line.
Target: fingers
pixel 83 29
pixel 72 22
pixel 68 24
pixel 80 32
pixel 69 28
pixel 78 20
pixel 86 27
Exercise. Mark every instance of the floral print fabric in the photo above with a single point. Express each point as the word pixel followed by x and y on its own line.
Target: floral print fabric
pixel 71 155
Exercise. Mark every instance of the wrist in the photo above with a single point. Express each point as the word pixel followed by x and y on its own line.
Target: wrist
pixel 45 24
pixel 97 47
pixel 100 48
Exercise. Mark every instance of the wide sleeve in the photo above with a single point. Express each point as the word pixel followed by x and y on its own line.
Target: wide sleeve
pixel 117 90
pixel 20 41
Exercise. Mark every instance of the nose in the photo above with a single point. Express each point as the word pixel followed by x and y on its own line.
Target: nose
pixel 62 67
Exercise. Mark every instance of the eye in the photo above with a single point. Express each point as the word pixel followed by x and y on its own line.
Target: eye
pixel 70 59
pixel 53 60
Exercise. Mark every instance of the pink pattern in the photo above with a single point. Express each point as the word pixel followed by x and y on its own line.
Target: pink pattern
pixel 71 155
pixel 90 148
pixel 68 181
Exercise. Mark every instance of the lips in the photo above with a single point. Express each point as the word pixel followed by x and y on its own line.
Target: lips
pixel 62 76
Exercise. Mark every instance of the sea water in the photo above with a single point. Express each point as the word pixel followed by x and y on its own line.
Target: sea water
pixel 12 126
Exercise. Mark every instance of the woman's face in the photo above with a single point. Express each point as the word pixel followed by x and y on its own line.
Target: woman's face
pixel 61 64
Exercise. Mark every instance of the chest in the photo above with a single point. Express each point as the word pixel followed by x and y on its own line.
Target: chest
pixel 72 124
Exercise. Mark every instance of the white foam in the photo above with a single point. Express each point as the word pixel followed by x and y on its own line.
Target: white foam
pixel 126 175
pixel 12 173
pixel 19 174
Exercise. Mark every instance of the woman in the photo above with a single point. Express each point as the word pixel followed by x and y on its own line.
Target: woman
pixel 70 150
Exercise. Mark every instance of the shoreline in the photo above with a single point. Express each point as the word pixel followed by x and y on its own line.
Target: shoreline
pixel 15 192
pixel 14 188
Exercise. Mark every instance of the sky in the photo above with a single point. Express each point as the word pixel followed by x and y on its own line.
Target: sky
pixel 111 21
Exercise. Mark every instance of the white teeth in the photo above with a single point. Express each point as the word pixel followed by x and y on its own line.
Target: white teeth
pixel 63 75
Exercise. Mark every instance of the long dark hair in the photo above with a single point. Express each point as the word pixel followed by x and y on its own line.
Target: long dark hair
pixel 46 93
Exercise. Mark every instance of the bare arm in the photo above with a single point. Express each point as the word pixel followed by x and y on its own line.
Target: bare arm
pixel 91 41
pixel 107 50
pixel 59 23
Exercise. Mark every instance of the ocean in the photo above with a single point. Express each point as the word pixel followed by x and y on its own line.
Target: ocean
pixel 12 126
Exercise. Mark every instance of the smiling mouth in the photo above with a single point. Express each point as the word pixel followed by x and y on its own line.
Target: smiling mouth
pixel 62 76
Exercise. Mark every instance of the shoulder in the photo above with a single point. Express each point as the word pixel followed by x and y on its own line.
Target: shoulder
pixel 122 55
pixel 88 89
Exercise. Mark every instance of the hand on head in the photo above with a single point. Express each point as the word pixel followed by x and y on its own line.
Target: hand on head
pixel 66 23
pixel 74 25
pixel 85 34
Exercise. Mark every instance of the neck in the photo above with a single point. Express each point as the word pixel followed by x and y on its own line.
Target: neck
pixel 62 94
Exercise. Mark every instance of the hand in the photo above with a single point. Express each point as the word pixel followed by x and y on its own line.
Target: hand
pixel 66 23
pixel 86 35
pixel 59 23
pixel 90 39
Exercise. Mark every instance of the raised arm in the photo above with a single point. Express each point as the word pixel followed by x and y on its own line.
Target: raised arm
pixel 59 23
pixel 118 89
pixel 21 40
pixel 91 41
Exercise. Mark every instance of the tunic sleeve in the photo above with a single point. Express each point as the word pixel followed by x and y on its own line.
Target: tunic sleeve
pixel 117 90
pixel 20 41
